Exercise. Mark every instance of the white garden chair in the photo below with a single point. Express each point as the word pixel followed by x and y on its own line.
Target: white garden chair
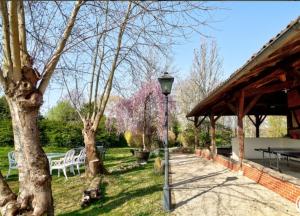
pixel 80 159
pixel 64 163
pixel 12 162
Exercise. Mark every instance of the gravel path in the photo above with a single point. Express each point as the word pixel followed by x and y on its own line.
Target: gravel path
pixel 201 187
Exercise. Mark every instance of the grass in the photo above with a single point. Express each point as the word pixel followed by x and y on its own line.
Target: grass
pixel 136 191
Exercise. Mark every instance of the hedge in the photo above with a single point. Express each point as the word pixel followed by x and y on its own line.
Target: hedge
pixel 62 134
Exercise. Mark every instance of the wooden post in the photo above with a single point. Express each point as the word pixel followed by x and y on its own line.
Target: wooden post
pixel 197 124
pixel 213 135
pixel 257 124
pixel 240 129
pixel 196 134
pixel 258 120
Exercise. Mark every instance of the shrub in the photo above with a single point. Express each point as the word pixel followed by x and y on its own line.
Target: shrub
pixel 186 139
pixel 56 133
pixel 172 138
pixel 109 138
pixel 6 133
pixel 62 134
pixel 133 140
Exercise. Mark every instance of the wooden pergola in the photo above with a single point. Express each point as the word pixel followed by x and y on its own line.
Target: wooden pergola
pixel 268 84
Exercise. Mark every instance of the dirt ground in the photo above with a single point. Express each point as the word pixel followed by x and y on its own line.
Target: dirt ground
pixel 201 187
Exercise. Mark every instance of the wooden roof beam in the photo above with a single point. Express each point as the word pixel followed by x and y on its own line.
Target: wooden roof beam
pixel 272 88
pixel 278 74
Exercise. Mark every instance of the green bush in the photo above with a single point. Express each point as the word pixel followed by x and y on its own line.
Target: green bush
pixel 6 133
pixel 60 134
pixel 171 139
pixel 109 138
pixel 4 109
pixel 134 140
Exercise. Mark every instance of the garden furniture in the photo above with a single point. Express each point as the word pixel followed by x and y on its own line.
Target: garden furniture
pixel 64 163
pixel 12 162
pixel 80 159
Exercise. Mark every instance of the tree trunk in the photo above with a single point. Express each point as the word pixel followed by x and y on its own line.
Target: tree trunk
pixel 8 200
pixel 35 192
pixel 94 163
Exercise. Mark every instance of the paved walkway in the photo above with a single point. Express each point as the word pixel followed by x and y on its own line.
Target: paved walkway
pixel 201 187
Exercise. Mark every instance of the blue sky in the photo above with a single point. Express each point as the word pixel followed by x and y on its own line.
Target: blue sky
pixel 242 28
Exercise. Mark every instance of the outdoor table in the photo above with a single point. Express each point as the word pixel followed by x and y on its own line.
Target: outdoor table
pixel 285 152
pixel 50 156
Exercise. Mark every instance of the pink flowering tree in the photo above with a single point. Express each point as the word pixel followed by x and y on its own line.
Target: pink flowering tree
pixel 142 113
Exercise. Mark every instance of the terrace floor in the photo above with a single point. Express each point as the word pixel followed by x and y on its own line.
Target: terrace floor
pixel 201 187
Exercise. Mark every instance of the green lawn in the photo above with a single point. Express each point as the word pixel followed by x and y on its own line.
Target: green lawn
pixel 135 191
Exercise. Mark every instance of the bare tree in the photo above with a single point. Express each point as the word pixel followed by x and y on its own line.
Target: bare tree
pixel 24 88
pixel 206 73
pixel 126 32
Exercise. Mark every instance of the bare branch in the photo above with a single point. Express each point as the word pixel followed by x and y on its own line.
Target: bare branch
pixel 14 29
pixel 6 40
pixel 25 59
pixel 105 95
pixel 73 103
pixel 49 68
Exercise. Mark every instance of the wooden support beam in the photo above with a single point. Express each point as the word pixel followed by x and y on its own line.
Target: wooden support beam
pixel 196 137
pixel 217 117
pixel 257 122
pixel 251 104
pixel 262 118
pixel 213 135
pixel 240 129
pixel 197 123
pixel 231 107
pixel 253 122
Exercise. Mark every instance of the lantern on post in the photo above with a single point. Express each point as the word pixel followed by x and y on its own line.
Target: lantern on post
pixel 166 82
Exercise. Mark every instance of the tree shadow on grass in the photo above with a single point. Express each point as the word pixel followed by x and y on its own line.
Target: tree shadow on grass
pixel 127 170
pixel 110 203
pixel 117 162
pixel 117 158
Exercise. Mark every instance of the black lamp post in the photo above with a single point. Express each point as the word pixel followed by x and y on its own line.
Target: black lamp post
pixel 166 82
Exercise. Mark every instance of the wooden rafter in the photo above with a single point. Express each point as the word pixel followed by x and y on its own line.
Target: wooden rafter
pixel 272 88
pixel 277 74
